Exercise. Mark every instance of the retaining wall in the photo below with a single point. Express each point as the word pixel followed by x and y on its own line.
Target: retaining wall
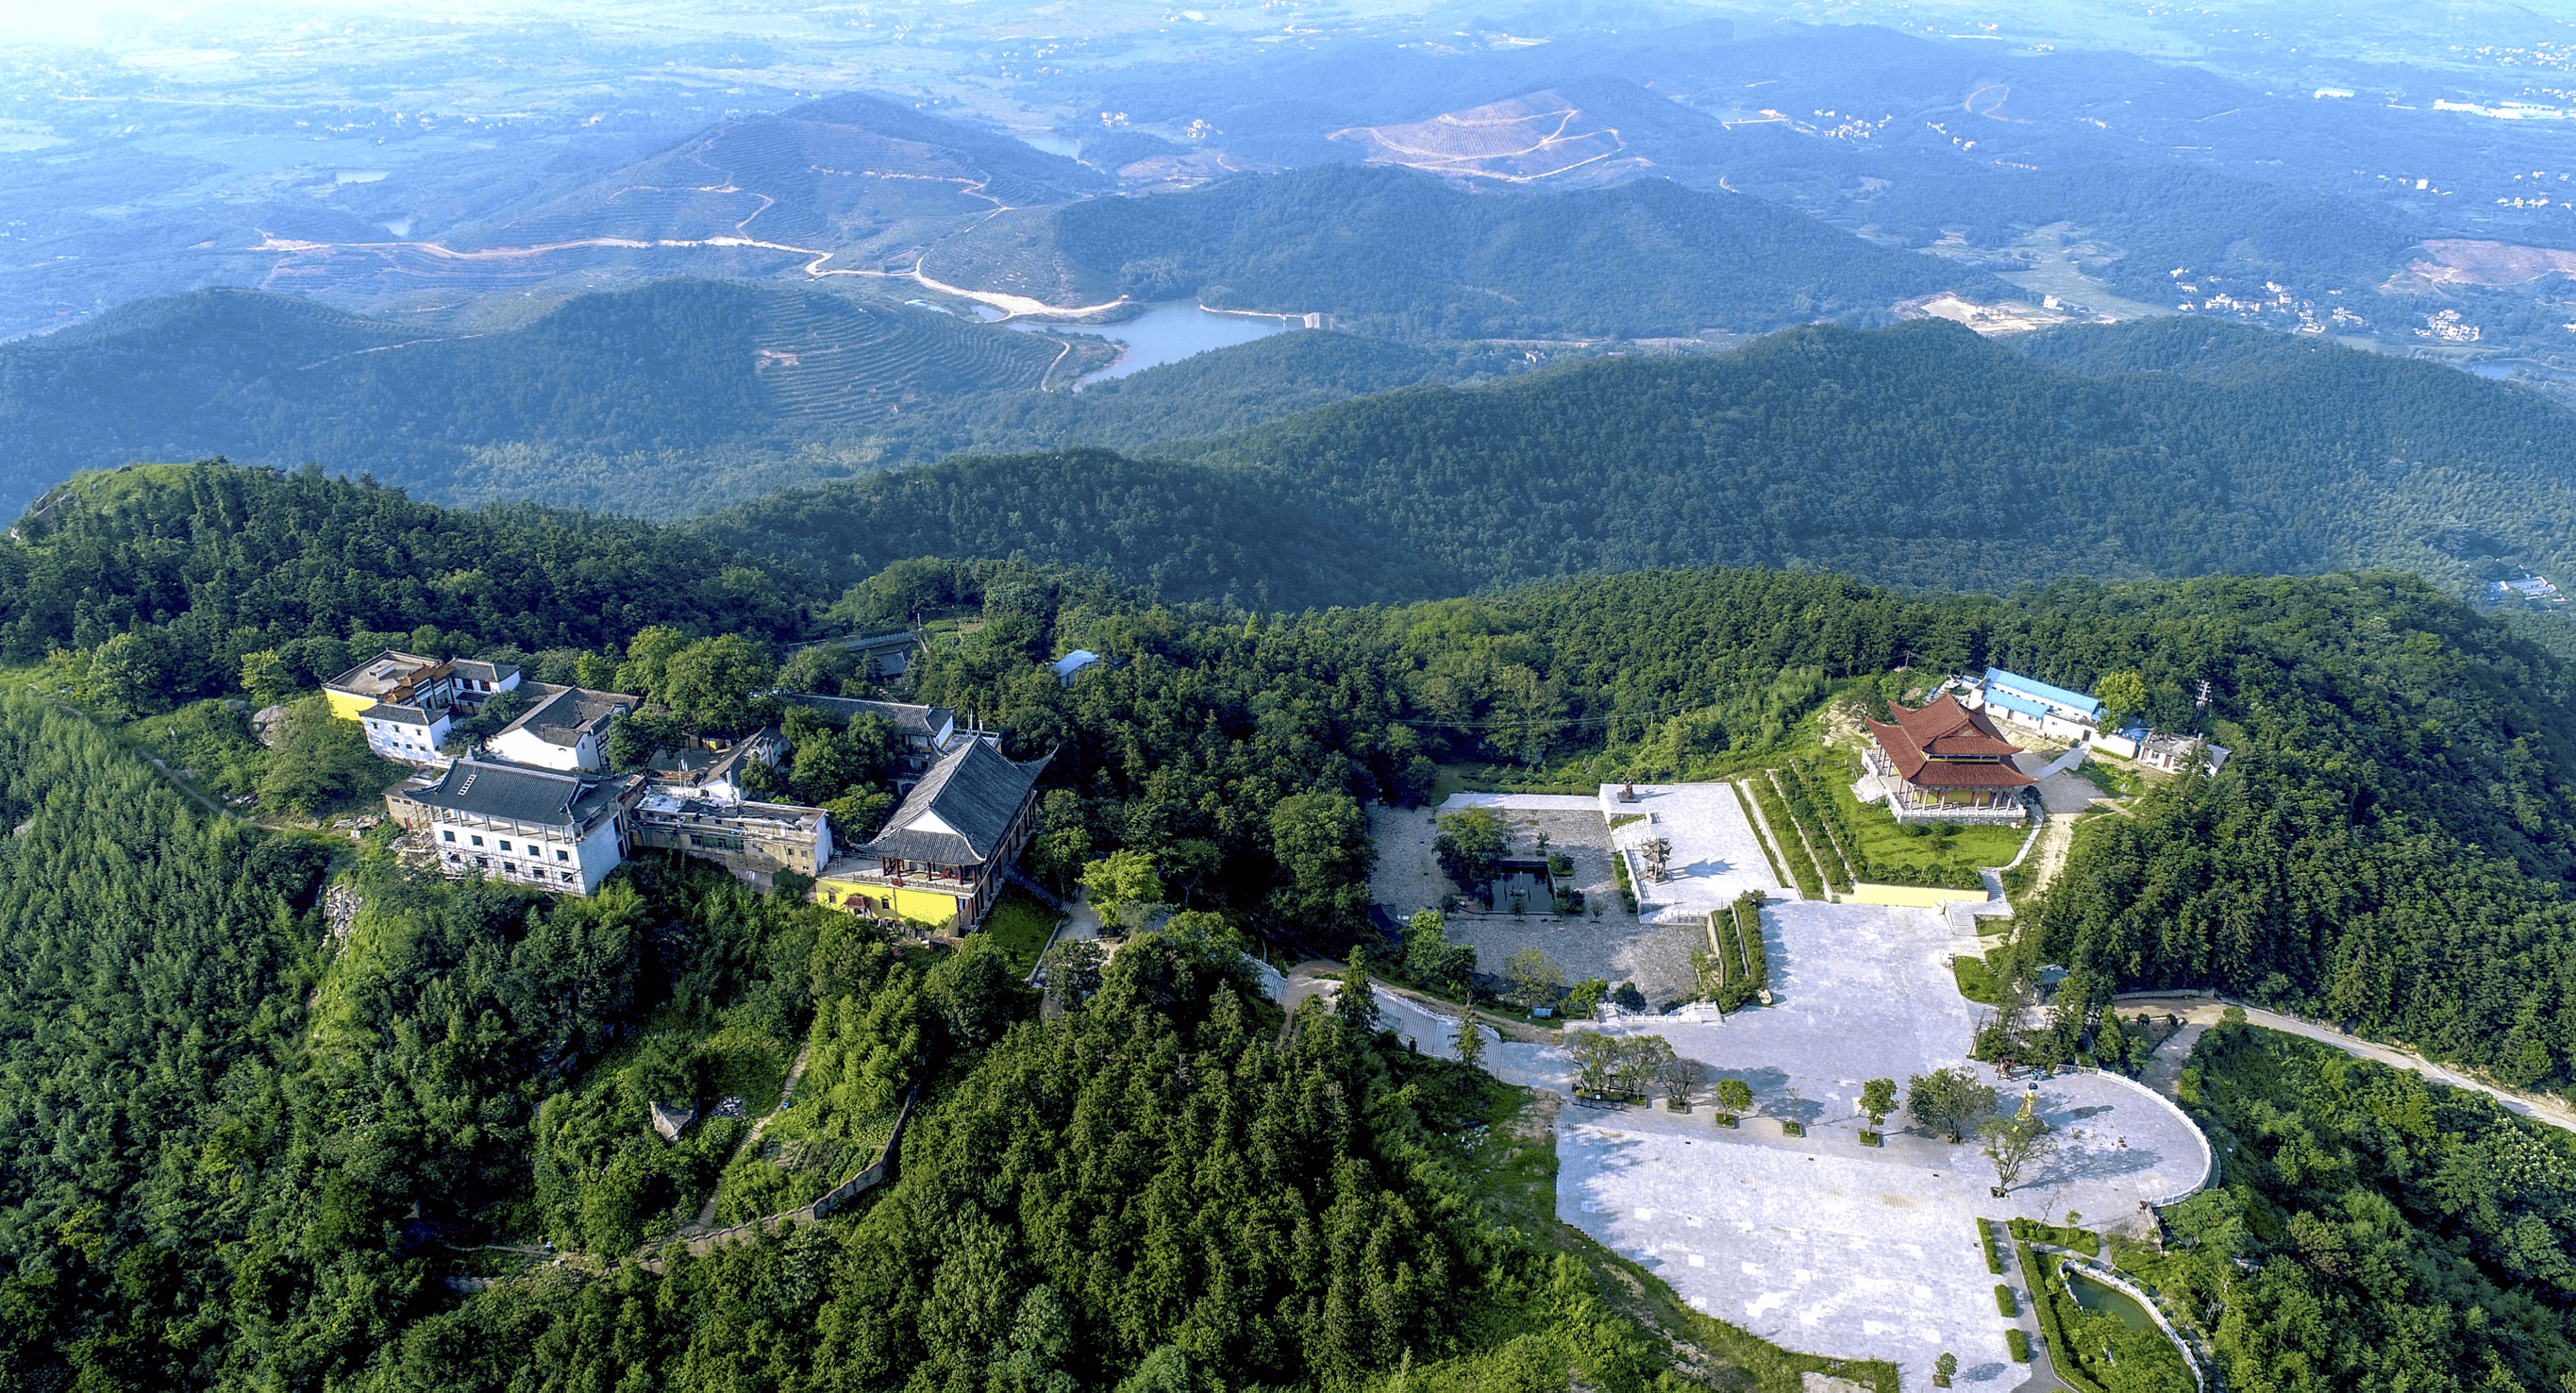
pixel 1910 896
pixel 875 1174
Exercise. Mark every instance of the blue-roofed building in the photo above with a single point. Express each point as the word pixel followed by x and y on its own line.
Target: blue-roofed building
pixel 2050 709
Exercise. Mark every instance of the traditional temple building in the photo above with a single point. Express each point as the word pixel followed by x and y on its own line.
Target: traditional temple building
pixel 1946 761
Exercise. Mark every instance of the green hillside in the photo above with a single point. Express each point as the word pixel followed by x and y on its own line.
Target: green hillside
pixel 1393 251
pixel 1918 454
pixel 563 408
pixel 2227 232
pixel 736 391
pixel 241 1151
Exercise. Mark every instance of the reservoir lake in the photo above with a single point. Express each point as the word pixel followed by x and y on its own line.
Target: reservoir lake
pixel 1170 331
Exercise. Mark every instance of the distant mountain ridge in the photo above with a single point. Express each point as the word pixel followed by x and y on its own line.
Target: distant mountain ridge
pixel 855 177
pixel 1396 251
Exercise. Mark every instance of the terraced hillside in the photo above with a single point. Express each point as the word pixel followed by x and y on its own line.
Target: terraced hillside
pixel 648 374
pixel 1394 251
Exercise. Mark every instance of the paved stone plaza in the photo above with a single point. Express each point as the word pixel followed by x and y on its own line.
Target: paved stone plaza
pixel 1817 1242
pixel 1715 854
pixel 1613 945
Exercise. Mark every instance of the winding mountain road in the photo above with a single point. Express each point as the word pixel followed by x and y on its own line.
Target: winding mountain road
pixel 2201 1010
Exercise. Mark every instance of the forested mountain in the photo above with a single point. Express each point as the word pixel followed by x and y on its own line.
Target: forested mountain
pixel 565 408
pixel 234 1159
pixel 1394 251
pixel 2219 230
pixel 658 402
pixel 177 571
pixel 1918 454
pixel 2387 847
pixel 822 174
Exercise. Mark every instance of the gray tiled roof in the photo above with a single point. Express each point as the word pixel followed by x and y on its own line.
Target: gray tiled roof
pixel 693 765
pixel 400 715
pixel 475 669
pixel 516 793
pixel 977 790
pixel 919 722
pixel 563 715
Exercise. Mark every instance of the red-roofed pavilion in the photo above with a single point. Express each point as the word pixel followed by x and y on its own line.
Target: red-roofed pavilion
pixel 1946 760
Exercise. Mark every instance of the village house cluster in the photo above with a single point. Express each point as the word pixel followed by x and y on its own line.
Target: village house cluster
pixel 536 803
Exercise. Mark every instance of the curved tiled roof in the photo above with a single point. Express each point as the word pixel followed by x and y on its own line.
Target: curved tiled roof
pixel 1946 745
pixel 960 811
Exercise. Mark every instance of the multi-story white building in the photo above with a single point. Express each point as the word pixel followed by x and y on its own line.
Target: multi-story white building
pixel 540 828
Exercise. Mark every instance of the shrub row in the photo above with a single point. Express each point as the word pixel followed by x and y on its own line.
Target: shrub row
pixel 1839 841
pixel 1769 853
pixel 1627 891
pixel 2084 1241
pixel 1802 867
pixel 2017 1340
pixel 2048 1292
pixel 1811 828
pixel 2004 1303
pixel 1994 1254
pixel 1736 968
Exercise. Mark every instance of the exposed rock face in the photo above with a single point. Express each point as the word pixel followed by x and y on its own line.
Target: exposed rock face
pixel 669 1121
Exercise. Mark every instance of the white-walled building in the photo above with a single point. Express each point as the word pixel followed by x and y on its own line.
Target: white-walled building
pixel 541 828
pixel 715 773
pixel 566 729
pixel 406 702
pixel 2051 710
pixel 928 732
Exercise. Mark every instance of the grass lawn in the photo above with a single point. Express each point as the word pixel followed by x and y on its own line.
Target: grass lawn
pixel 1020 924
pixel 1881 838
pixel 2112 782
pixel 1976 980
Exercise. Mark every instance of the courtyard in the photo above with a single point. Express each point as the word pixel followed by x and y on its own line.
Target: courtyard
pixel 1714 858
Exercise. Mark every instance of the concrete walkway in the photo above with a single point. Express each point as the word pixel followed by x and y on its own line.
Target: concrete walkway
pixel 2202 1010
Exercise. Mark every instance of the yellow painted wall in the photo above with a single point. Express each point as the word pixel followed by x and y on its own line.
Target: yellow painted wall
pixel 345 706
pixel 1909 896
pixel 928 906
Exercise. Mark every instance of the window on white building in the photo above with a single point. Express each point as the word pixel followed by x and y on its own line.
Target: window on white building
pixel 562 855
pixel 447 834
pixel 478 841
pixel 505 844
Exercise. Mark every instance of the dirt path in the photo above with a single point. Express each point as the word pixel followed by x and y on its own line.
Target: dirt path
pixel 2201 1011
pixel 2056 838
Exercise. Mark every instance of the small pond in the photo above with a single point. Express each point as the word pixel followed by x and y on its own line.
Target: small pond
pixel 2109 1300
pixel 1170 331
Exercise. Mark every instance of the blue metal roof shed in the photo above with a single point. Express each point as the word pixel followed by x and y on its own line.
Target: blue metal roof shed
pixel 2041 691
